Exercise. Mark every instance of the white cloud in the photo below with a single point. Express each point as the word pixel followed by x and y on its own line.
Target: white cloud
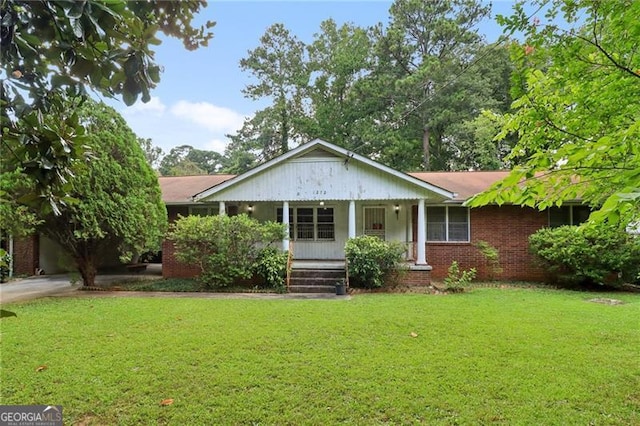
pixel 154 106
pixel 212 117
pixel 199 124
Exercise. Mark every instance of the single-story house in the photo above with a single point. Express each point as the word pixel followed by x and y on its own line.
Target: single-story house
pixel 328 194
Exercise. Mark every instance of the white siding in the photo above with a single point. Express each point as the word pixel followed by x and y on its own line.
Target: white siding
pixel 311 179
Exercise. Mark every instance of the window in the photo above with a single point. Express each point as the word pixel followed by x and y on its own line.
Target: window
pixel 568 215
pixel 212 210
pixel 447 224
pixel 203 210
pixel 374 222
pixel 310 223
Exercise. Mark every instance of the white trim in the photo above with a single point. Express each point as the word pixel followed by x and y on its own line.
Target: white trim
pixel 421 249
pixel 345 154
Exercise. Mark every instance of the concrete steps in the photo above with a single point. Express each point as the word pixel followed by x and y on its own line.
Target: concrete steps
pixel 308 279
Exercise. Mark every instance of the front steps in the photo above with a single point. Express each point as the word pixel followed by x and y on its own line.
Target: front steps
pixel 310 277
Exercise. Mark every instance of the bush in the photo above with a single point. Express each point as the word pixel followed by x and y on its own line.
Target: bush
pixel 272 267
pixel 5 264
pixel 225 248
pixel 370 259
pixel 587 255
pixel 492 258
pixel 456 279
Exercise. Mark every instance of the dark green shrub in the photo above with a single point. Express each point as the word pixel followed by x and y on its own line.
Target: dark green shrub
pixel 457 279
pixel 225 248
pixel 587 255
pixel 5 264
pixel 272 267
pixel 370 259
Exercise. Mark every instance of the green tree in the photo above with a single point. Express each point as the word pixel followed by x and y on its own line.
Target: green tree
pixel 186 160
pixel 421 56
pixel 51 49
pixel 577 112
pixel 280 66
pixel 118 205
pixel 152 153
pixel 338 58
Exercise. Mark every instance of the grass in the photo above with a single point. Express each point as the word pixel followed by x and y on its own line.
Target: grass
pixel 178 285
pixel 499 356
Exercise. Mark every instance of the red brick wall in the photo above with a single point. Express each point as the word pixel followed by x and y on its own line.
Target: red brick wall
pixel 171 268
pixel 507 228
pixel 416 278
pixel 25 255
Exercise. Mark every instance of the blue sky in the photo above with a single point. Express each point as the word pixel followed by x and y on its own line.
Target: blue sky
pixel 199 98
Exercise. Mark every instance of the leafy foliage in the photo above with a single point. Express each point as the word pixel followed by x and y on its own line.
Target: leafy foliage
pixel 55 49
pixel 370 259
pixel 491 256
pixel 5 265
pixel 186 160
pixel 395 92
pixel 457 279
pixel 587 254
pixel 271 265
pixel 577 109
pixel 116 203
pixel 224 248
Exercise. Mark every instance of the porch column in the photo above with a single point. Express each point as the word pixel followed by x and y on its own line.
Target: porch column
pixel 421 258
pixel 285 222
pixel 221 208
pixel 352 219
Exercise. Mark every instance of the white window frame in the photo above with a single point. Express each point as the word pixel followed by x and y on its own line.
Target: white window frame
pixel 293 223
pixel 446 227
pixel 380 233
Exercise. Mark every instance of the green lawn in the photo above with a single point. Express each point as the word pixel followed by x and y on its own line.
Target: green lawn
pixel 498 356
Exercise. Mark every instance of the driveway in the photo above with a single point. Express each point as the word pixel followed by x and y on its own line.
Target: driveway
pixel 48 285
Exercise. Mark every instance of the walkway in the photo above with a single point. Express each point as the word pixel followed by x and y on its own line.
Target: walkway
pixel 21 290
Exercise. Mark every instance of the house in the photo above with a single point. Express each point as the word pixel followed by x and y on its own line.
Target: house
pixel 327 194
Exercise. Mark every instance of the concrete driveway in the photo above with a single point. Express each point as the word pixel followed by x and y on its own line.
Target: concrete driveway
pixel 30 288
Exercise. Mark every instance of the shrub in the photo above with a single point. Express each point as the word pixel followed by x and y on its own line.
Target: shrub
pixel 5 264
pixel 587 254
pixel 272 267
pixel 492 258
pixel 224 248
pixel 457 279
pixel 370 259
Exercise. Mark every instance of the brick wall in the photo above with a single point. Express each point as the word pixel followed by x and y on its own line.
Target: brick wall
pixel 416 278
pixel 25 255
pixel 171 268
pixel 507 228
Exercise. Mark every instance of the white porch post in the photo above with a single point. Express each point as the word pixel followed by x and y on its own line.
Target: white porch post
pixel 421 258
pixel 352 219
pixel 285 222
pixel 221 208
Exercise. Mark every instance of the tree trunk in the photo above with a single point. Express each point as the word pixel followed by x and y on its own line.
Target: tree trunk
pixel 88 270
pixel 426 148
